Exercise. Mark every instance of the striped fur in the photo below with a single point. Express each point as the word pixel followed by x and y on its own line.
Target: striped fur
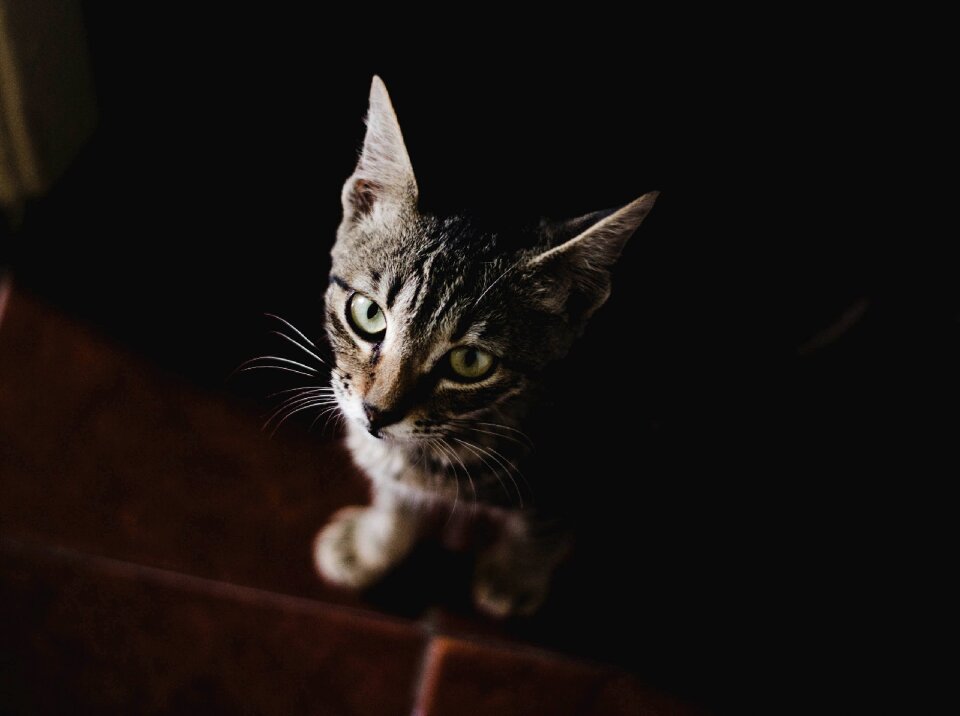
pixel 442 282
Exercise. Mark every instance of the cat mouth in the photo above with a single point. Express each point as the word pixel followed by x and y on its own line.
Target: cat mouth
pixel 388 434
pixel 385 435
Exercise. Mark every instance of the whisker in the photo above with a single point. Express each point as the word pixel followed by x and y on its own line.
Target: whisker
pixel 427 446
pixel 329 413
pixel 470 446
pixel 465 424
pixel 516 469
pixel 466 471
pixel 299 387
pixel 275 367
pixel 299 345
pixel 456 498
pixel 511 268
pixel 291 327
pixel 507 427
pixel 298 400
pixel 292 413
pixel 312 391
pixel 293 405
pixel 446 459
pixel 282 360
pixel 307 395
pixel 493 470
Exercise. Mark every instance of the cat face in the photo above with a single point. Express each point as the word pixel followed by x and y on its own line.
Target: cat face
pixel 436 323
pixel 423 332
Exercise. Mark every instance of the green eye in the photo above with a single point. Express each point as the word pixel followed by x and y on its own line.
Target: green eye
pixel 470 364
pixel 366 317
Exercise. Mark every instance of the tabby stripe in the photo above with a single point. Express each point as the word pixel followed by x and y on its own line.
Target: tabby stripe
pixel 420 312
pixel 336 325
pixel 479 396
pixel 416 290
pixel 443 305
pixel 340 282
pixel 394 289
pixel 421 275
pixel 466 320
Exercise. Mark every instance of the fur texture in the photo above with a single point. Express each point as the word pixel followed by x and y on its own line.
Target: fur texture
pixel 423 433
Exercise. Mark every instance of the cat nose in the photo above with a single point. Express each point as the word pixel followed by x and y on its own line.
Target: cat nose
pixel 374 419
pixel 378 418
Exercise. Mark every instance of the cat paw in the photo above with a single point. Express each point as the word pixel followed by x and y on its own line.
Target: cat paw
pixel 342 554
pixel 500 593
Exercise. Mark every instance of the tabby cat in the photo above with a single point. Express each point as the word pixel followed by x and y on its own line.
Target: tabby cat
pixel 442 332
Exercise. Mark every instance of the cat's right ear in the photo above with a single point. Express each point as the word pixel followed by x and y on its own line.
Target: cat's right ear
pixel 574 277
pixel 383 182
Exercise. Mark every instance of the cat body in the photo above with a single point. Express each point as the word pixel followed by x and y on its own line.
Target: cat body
pixel 444 333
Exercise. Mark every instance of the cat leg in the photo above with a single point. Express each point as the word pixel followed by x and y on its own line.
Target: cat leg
pixel 360 544
pixel 513 574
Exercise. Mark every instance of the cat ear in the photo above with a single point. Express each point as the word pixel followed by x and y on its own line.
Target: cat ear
pixel 384 176
pixel 575 275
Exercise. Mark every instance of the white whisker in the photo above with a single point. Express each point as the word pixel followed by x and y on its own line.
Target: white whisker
pixel 329 412
pixel 291 327
pixel 282 360
pixel 474 448
pixel 456 498
pixel 296 401
pixel 464 424
pixel 511 268
pixel 300 346
pixel 294 412
pixel 275 367
pixel 491 468
pixel 515 468
pixel 300 387
pixel 466 471
pixel 507 427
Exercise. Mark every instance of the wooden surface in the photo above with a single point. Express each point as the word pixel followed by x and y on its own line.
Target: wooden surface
pixel 155 558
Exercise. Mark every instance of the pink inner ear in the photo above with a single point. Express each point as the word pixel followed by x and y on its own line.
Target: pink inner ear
pixel 364 195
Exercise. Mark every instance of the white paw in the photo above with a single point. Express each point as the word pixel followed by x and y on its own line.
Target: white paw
pixel 500 593
pixel 344 556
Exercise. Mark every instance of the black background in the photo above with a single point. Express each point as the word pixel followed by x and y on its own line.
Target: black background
pixel 210 194
pixel 211 190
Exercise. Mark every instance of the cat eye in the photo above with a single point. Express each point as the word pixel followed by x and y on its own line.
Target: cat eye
pixel 470 364
pixel 366 318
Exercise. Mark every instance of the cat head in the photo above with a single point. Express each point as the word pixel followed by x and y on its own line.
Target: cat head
pixel 436 322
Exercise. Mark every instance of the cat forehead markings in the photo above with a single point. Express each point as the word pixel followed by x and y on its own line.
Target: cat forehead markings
pixel 444 281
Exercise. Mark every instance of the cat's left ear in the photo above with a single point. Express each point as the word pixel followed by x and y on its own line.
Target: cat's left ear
pixel 383 179
pixel 575 276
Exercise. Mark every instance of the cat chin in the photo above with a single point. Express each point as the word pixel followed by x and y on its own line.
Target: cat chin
pixel 359 438
pixel 388 436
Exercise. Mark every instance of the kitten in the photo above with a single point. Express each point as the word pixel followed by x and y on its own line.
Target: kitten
pixel 442 334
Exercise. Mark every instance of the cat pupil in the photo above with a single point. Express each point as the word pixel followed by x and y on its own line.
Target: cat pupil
pixel 470 358
pixel 372 311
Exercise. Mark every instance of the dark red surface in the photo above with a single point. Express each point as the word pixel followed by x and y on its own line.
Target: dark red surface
pixel 86 634
pixel 155 558
pixel 103 455
pixel 482 679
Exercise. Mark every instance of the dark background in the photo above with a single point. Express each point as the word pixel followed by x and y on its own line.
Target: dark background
pixel 210 194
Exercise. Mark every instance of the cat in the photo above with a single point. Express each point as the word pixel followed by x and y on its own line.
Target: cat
pixel 443 334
